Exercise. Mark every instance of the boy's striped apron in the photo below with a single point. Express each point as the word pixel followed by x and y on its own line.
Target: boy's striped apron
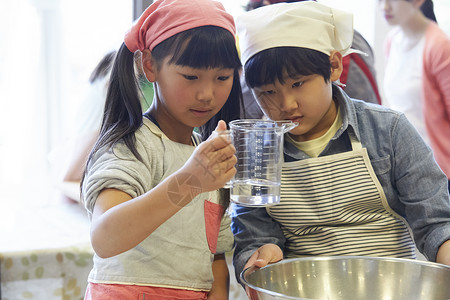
pixel 334 205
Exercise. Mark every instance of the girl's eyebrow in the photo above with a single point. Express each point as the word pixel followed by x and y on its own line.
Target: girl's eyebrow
pixel 222 68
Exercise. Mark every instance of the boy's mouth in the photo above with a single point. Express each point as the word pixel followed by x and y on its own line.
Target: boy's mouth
pixel 296 119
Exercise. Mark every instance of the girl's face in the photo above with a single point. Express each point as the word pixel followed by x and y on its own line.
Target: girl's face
pixel 398 12
pixel 191 96
pixel 305 99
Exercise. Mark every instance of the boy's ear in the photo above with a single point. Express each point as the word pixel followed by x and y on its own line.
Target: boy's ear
pixel 149 65
pixel 336 65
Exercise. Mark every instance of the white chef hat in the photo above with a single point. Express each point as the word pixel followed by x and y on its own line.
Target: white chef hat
pixel 306 24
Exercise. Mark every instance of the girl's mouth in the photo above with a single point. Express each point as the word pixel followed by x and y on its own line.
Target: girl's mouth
pixel 200 112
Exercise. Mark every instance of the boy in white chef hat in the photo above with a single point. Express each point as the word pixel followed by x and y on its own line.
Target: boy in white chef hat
pixel 357 178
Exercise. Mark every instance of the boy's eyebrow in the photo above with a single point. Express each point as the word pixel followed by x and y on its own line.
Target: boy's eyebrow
pixel 296 77
pixel 206 68
pixel 285 79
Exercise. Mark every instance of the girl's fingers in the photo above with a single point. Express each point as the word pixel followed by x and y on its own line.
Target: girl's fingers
pixel 221 129
pixel 217 150
pixel 221 126
pixel 226 153
pixel 229 163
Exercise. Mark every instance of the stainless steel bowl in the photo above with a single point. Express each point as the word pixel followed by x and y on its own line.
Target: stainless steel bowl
pixel 349 277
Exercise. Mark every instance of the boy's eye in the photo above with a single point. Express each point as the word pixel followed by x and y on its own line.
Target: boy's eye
pixel 190 77
pixel 297 84
pixel 269 92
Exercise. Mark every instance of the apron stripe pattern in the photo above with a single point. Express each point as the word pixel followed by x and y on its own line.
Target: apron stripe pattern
pixel 334 205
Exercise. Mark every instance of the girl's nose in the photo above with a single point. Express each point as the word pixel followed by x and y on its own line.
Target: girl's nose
pixel 383 4
pixel 205 92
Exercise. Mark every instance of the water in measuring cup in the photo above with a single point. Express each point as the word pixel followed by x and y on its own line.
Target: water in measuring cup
pixel 255 192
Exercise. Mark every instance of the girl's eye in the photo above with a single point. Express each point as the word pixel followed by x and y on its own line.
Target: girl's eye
pixel 297 84
pixel 190 77
pixel 223 78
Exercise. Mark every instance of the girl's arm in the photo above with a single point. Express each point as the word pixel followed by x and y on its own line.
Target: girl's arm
pixel 437 64
pixel 221 283
pixel 120 223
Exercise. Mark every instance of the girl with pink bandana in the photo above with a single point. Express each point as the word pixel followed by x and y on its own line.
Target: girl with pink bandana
pixel 151 187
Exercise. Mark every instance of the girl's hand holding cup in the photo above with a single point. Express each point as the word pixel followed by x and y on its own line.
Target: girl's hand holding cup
pixel 213 160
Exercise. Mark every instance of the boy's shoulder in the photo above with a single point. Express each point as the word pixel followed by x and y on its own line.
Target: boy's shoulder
pixel 367 116
pixel 361 106
pixel 366 107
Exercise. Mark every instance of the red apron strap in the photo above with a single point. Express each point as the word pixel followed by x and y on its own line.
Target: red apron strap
pixel 346 66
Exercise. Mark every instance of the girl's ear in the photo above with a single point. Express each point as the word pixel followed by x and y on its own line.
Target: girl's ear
pixel 336 65
pixel 149 65
pixel 418 3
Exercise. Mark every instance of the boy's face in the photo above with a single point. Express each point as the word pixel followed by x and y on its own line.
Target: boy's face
pixel 304 99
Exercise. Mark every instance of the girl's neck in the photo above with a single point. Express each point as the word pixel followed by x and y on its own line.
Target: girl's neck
pixel 173 129
pixel 415 27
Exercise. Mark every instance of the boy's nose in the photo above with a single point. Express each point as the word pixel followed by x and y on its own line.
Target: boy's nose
pixel 288 104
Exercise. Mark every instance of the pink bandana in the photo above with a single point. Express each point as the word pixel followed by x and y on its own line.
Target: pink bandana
pixel 165 18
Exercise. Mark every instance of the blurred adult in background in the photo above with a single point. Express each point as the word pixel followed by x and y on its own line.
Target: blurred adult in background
pixel 70 159
pixel 358 78
pixel 417 73
pixel 89 118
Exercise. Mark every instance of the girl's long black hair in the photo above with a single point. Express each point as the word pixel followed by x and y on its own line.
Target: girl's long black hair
pixel 427 9
pixel 201 47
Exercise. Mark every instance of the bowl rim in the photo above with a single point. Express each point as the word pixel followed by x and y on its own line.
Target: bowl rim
pixel 247 271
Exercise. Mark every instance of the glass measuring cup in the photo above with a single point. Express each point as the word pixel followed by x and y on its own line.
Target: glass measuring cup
pixel 259 152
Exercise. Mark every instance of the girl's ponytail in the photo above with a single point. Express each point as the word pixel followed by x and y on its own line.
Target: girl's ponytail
pixel 123 111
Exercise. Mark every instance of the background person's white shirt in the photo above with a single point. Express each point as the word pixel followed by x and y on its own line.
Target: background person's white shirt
pixel 403 82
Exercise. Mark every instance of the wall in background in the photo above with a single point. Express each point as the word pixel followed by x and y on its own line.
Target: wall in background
pixel 47 50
